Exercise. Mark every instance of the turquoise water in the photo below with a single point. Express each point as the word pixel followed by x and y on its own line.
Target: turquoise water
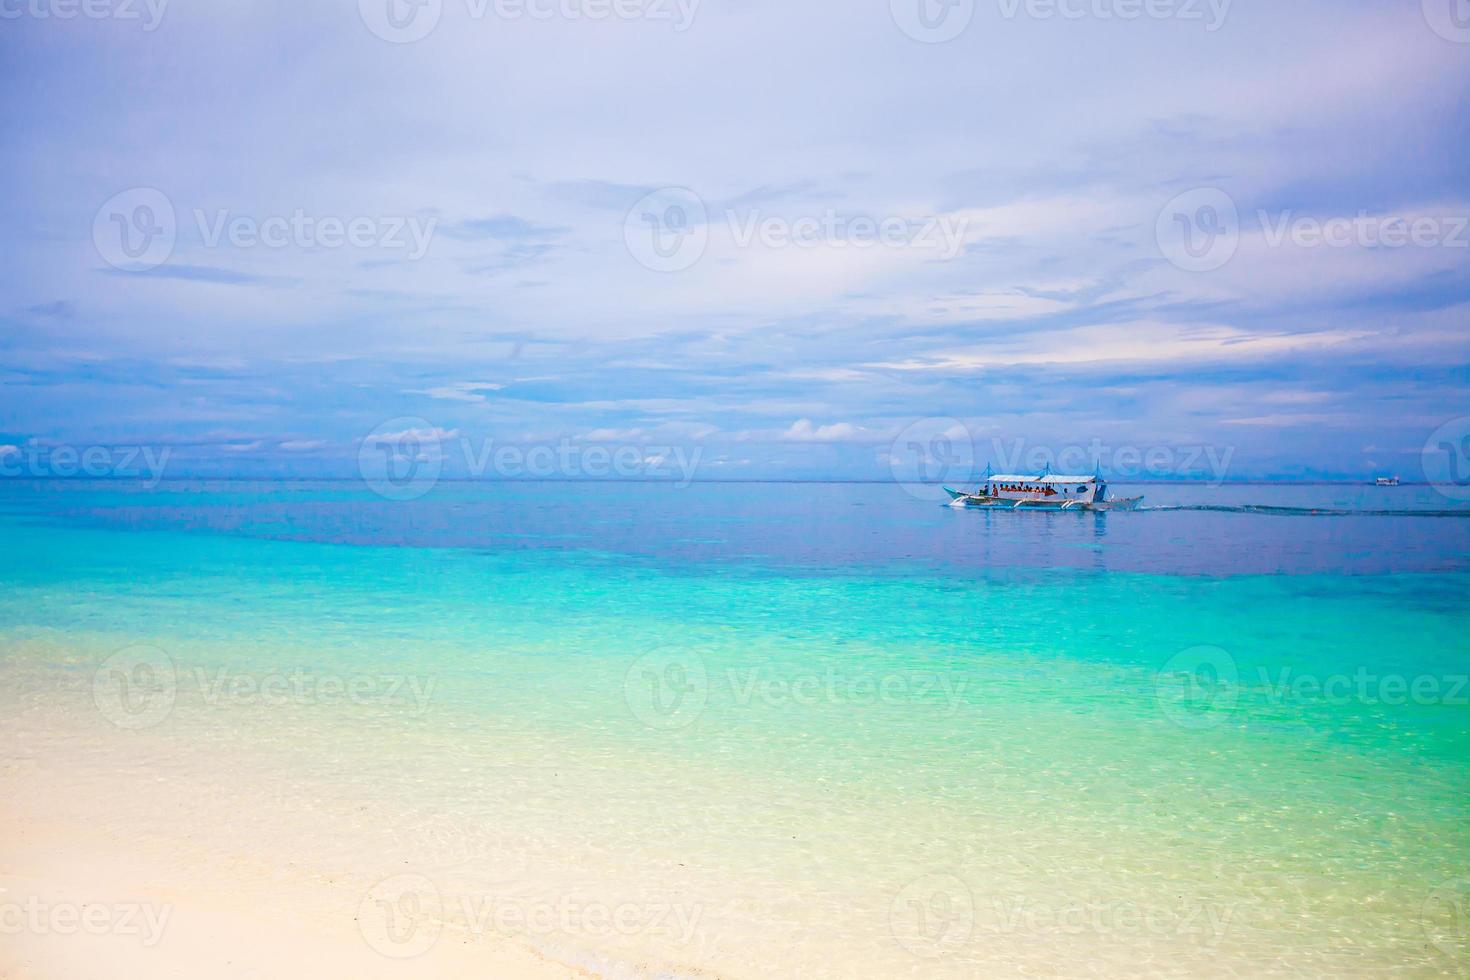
pixel 847 731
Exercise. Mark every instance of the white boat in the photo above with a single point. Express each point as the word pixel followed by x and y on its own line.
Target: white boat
pixel 1043 491
pixel 1386 481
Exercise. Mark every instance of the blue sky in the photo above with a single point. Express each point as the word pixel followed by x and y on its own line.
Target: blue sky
pixel 801 238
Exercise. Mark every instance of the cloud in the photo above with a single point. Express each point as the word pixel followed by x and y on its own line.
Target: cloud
pixel 601 195
pixel 504 227
pixel 59 309
pixel 462 391
pixel 204 273
pixel 802 430
pixel 1058 315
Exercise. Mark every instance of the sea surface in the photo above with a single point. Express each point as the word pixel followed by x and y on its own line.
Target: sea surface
pixel 756 730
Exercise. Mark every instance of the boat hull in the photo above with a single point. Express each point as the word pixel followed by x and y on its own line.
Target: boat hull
pixel 959 498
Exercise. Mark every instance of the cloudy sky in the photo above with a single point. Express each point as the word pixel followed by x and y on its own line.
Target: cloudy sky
pixel 807 239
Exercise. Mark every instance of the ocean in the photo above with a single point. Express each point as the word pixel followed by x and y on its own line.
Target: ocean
pixel 754 730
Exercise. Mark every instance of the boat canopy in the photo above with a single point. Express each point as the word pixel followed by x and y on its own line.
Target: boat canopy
pixel 1042 478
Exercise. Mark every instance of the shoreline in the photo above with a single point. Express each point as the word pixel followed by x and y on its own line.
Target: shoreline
pixel 85 896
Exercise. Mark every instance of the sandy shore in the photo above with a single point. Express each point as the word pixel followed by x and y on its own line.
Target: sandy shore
pixel 86 891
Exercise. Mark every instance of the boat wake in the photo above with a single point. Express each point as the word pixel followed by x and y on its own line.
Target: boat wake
pixel 1306 511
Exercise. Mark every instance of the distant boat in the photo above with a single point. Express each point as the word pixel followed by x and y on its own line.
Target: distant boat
pixel 1044 491
pixel 1386 481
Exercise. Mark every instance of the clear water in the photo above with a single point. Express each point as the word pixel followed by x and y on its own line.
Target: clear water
pixel 838 729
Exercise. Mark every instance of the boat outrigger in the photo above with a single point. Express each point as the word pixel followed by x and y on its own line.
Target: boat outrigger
pixel 1045 491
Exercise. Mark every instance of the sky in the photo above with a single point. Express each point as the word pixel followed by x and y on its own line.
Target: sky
pixel 735 239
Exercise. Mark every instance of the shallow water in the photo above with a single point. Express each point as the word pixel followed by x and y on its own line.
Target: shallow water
pixel 805 729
